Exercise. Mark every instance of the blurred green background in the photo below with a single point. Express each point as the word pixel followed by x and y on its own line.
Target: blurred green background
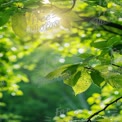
pixel 25 94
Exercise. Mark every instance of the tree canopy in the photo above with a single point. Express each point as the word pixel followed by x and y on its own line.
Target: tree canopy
pixel 91 31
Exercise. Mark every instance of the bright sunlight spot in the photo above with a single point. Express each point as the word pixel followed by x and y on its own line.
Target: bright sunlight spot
pixel 61 60
pixel 81 50
pixel 46 1
pixel 53 18
pixel 51 21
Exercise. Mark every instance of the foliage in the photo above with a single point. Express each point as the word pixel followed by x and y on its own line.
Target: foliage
pixel 101 60
pixel 88 29
pixel 36 104
pixel 9 70
pixel 97 102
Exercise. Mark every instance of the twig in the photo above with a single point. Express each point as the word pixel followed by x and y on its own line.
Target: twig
pixel 117 66
pixel 73 5
pixel 114 25
pixel 101 22
pixel 107 105
pixel 111 31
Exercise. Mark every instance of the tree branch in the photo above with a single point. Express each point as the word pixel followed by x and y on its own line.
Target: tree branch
pixel 117 66
pixel 73 5
pixel 107 105
pixel 110 31
pixel 101 22
pixel 115 25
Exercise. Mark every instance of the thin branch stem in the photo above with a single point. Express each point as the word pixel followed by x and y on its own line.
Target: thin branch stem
pixel 115 25
pixel 117 66
pixel 107 105
pixel 111 31
pixel 101 22
pixel 73 5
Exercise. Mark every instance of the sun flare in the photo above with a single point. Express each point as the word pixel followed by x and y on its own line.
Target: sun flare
pixel 51 20
pixel 46 1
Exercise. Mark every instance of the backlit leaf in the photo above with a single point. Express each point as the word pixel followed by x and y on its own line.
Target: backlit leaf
pixel 72 74
pixel 113 41
pixel 115 79
pixel 76 77
pixel 19 24
pixel 4 17
pixel 83 82
pixel 112 75
pixel 99 45
pixel 56 73
pixel 68 17
pixel 96 77
pixel 72 79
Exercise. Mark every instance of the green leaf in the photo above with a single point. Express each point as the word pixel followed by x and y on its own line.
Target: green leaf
pixel 96 77
pixel 72 69
pixel 61 4
pixel 116 82
pixel 1 95
pixel 117 48
pixel 68 17
pixel 113 41
pixel 58 72
pixel 104 52
pixel 76 77
pixel 105 57
pixel 71 75
pixel 112 75
pixel 73 16
pixel 105 120
pixel 83 82
pixel 94 62
pixel 4 17
pixel 99 45
pixel 19 24
pixel 115 79
pixel 72 79
pixel 86 55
